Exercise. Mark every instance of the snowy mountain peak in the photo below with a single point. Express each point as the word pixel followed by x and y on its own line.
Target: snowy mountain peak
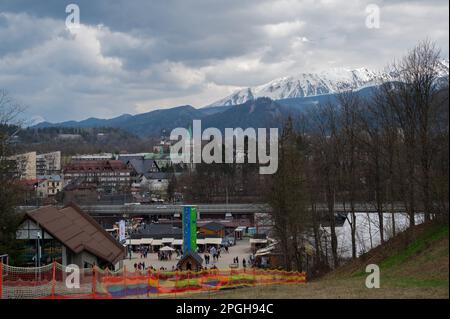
pixel 312 84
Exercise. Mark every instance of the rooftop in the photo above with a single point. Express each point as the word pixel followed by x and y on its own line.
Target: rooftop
pixel 214 226
pixel 78 231
pixel 96 165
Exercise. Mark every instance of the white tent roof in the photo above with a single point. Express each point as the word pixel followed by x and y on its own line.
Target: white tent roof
pixel 156 242
pixel 167 240
pixel 133 242
pixel 146 241
pixel 258 241
pixel 213 241
pixel 167 248
pixel 265 250
pixel 178 242
pixel 262 253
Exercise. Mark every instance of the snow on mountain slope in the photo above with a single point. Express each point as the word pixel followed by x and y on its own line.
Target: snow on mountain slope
pixel 313 84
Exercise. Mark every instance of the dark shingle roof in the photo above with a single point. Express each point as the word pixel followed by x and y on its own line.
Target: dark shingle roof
pixel 214 226
pixel 195 256
pixel 159 175
pixel 142 166
pixel 158 231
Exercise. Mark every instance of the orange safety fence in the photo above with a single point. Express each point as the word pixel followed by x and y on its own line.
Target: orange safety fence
pixel 55 281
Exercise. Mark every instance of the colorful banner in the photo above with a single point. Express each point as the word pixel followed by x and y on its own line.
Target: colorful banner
pixel 193 229
pixel 121 231
pixel 189 229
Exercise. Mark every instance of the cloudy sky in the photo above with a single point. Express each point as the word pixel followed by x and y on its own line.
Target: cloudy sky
pixel 133 56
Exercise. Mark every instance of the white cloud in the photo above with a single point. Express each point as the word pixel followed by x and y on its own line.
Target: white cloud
pixel 133 57
pixel 284 29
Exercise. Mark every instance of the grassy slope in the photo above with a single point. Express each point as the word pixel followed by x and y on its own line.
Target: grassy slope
pixel 414 264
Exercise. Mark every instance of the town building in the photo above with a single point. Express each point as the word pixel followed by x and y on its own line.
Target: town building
pixel 67 236
pixel 155 182
pixel 110 175
pixel 78 191
pixel 212 228
pixel 25 165
pixel 48 164
pixel 163 161
pixel 50 185
pixel 30 165
pixel 93 157
pixel 30 189
pixel 139 165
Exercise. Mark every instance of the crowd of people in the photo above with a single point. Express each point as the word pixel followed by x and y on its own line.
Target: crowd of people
pixel 214 253
pixel 211 256
pixel 139 266
pixel 164 255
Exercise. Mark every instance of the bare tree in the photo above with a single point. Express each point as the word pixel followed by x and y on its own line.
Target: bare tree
pixel 412 101
pixel 326 158
pixel 349 131
pixel 287 199
pixel 9 190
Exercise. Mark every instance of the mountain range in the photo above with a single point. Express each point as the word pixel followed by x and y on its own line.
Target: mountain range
pixel 315 84
pixel 259 106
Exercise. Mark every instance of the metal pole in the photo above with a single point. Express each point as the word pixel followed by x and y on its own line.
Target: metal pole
pixel 39 254
pixel 1 279
pixel 39 251
pixel 94 282
pixel 54 279
pixel 129 242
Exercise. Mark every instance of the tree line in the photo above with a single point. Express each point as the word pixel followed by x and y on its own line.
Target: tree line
pixel 384 150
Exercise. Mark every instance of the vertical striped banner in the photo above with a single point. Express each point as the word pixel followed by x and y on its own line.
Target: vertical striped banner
pixel 1 279
pixel 194 229
pixel 186 229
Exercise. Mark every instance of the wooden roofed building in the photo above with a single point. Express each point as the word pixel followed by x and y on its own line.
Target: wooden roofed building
pixel 68 236
pixel 191 261
pixel 212 228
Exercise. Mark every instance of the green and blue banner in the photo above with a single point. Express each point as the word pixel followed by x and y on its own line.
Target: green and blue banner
pixel 189 229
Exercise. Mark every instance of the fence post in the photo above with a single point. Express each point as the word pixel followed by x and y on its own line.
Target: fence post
pixel 149 274
pixel 53 279
pixel 94 282
pixel 125 279
pixel 1 279
pixel 176 283
pixel 188 280
pixel 157 283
